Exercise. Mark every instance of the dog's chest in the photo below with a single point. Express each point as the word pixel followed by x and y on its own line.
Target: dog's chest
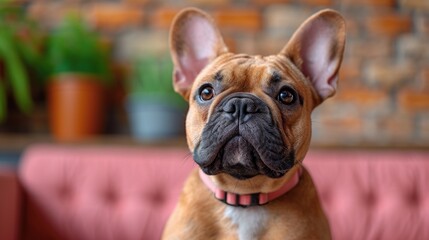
pixel 250 222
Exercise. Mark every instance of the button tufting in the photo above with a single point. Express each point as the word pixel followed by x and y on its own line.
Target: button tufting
pixel 370 199
pixel 65 192
pixel 111 196
pixel 413 198
pixel 326 195
pixel 156 197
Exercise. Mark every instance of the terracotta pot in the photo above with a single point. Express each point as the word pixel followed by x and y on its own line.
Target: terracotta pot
pixel 76 105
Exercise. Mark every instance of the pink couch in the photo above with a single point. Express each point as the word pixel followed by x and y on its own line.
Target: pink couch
pixel 87 193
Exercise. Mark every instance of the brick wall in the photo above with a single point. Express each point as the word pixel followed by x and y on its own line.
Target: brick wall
pixel 383 97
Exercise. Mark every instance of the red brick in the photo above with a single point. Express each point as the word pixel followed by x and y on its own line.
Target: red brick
pixel 422 24
pixel 388 75
pixel 388 24
pixel 283 20
pixel 268 45
pixel 268 2
pixel 36 9
pixel 114 15
pixel 423 80
pixel 423 127
pixel 350 70
pixel 209 2
pixel 140 42
pixel 248 45
pixel 317 2
pixel 239 19
pixel 136 2
pixel 415 4
pixel 163 17
pixel 352 27
pixel 354 124
pixel 230 43
pixel 50 14
pixel 413 100
pixel 362 96
pixel 369 3
pixel 337 131
pixel 396 128
pixel 365 49
pixel 413 46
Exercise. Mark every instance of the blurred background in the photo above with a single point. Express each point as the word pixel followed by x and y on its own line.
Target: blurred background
pixel 56 55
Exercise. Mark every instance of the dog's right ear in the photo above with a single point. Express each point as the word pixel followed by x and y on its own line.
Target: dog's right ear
pixel 194 42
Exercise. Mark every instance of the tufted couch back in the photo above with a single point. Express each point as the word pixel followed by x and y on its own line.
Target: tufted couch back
pixel 374 195
pixel 88 193
pixel 101 193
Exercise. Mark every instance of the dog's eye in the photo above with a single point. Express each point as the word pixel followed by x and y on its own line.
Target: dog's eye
pixel 206 93
pixel 287 96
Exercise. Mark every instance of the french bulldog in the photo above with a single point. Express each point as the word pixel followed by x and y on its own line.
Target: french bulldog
pixel 249 128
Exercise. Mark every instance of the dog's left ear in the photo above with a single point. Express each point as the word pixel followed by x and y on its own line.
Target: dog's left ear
pixel 194 42
pixel 316 48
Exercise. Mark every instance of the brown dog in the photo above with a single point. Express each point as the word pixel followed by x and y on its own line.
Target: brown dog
pixel 249 129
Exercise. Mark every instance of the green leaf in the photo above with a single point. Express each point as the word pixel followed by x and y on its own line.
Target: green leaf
pixel 15 73
pixel 73 47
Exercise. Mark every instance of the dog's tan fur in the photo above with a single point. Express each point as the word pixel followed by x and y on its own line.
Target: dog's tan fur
pixel 295 215
pixel 291 216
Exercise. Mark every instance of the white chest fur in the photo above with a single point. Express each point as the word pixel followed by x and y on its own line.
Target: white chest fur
pixel 250 222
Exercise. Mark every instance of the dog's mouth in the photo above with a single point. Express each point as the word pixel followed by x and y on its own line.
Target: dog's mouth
pixel 243 144
pixel 237 158
pixel 244 156
pixel 240 159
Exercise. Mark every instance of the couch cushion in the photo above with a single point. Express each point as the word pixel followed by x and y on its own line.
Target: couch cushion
pixel 10 203
pixel 373 194
pixel 102 193
pixel 128 193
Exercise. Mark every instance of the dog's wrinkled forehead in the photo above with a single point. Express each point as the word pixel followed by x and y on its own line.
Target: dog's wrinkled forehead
pixel 316 49
pixel 246 73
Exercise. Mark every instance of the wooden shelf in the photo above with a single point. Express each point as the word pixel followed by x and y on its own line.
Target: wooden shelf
pixel 18 142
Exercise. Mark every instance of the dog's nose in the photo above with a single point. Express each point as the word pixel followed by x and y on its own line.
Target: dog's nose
pixel 241 108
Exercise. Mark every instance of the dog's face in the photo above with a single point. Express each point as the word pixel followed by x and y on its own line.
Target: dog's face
pixel 249 116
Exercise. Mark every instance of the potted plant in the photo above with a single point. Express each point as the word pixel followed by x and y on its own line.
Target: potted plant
pixel 78 79
pixel 20 55
pixel 155 111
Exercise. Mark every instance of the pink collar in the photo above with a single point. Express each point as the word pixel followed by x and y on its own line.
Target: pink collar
pixel 252 199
